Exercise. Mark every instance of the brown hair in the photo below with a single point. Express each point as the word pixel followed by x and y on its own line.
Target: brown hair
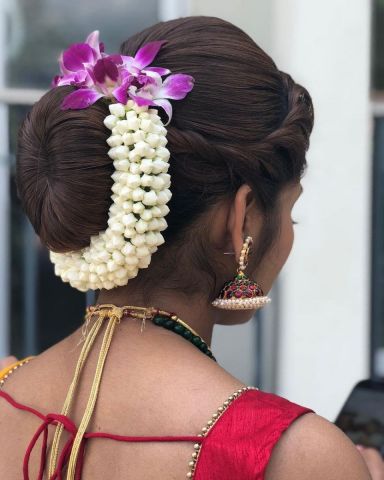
pixel 244 122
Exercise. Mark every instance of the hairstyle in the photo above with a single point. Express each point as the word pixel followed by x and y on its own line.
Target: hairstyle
pixel 244 122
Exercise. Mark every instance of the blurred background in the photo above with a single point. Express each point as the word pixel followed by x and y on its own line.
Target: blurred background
pixel 324 329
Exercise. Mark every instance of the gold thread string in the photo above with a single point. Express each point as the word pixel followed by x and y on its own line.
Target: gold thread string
pixel 82 357
pixel 146 313
pixel 115 314
pixel 84 328
pixel 115 317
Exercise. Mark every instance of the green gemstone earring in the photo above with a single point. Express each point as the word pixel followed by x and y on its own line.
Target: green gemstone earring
pixel 241 293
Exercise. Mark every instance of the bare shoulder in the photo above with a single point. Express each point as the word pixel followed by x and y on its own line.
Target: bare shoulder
pixel 312 447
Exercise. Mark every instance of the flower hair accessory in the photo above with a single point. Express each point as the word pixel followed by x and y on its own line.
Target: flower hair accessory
pixel 138 150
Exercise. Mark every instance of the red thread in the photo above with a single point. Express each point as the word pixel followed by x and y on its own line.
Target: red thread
pixel 55 418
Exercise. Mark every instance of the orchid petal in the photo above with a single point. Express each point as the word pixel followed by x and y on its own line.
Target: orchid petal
pixel 91 75
pixel 141 100
pixel 93 41
pixel 125 74
pixel 55 80
pixel 146 80
pixel 76 55
pixel 146 54
pixel 166 105
pixel 81 98
pixel 160 70
pixel 63 70
pixel 129 65
pixel 121 92
pixel 75 78
pixel 176 86
pixel 127 60
pixel 115 58
pixel 105 68
pixel 152 82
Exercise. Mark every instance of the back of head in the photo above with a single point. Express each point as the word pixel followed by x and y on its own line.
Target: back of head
pixel 244 122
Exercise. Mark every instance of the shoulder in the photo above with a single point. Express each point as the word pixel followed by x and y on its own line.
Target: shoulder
pixel 6 371
pixel 286 441
pixel 312 447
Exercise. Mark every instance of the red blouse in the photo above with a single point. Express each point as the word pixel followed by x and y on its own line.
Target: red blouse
pixel 235 444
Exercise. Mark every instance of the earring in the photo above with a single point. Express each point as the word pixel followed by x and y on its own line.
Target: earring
pixel 241 292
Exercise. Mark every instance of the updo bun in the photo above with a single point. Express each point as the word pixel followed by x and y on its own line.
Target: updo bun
pixel 63 172
pixel 243 122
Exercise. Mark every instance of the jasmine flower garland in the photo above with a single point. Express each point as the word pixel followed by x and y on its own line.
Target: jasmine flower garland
pixel 140 195
pixel 140 157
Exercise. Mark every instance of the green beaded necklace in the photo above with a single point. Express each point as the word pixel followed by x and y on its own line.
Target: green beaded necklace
pixel 162 318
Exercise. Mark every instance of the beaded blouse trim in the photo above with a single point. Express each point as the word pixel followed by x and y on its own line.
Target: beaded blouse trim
pixel 19 364
pixel 209 425
pixel 204 431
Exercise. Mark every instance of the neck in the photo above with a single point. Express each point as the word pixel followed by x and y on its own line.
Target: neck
pixel 195 312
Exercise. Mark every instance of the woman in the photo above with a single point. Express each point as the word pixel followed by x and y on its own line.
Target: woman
pixel 237 137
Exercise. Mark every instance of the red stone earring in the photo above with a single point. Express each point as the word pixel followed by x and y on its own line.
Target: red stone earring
pixel 241 292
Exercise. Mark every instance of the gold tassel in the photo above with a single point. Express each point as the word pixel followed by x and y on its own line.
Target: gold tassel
pixel 114 314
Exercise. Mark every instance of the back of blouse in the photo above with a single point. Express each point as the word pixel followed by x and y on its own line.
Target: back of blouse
pixel 236 441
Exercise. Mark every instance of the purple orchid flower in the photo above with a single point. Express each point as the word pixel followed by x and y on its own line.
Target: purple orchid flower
pixel 136 69
pixel 75 60
pixel 157 92
pixel 144 57
pixel 96 75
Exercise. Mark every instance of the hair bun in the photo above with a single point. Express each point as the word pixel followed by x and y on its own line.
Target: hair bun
pixel 63 172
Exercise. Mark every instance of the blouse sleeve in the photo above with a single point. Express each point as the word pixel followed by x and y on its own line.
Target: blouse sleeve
pixel 241 442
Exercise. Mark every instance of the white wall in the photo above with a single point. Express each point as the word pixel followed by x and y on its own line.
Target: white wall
pixel 253 16
pixel 325 285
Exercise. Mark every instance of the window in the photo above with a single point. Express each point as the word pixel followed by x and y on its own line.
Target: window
pixel 377 331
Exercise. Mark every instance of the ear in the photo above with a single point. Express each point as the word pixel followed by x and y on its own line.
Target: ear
pixel 238 218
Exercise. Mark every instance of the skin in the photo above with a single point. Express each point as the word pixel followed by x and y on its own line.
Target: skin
pixel 4 362
pixel 231 223
pixel 156 363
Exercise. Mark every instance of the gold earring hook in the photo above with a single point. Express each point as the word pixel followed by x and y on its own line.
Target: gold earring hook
pixel 244 255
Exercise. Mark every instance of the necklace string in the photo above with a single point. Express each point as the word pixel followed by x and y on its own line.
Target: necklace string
pixel 169 320
pixel 114 314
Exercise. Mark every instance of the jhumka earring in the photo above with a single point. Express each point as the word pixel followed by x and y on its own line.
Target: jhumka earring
pixel 241 292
